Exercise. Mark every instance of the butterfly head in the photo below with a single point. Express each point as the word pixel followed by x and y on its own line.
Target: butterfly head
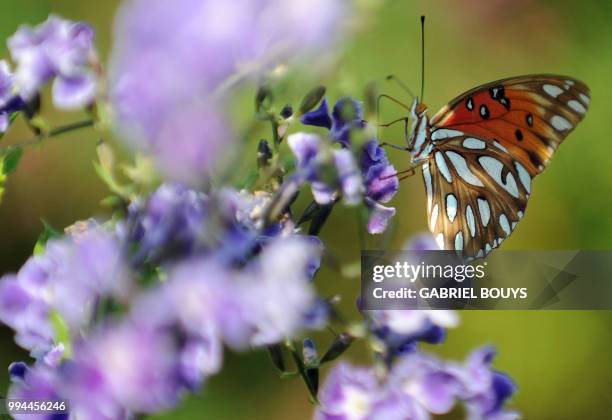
pixel 418 142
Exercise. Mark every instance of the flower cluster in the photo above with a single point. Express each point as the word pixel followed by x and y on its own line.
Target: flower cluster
pixel 417 386
pixel 58 50
pixel 360 170
pixel 142 355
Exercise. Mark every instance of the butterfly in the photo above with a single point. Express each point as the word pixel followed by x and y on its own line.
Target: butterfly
pixel 480 153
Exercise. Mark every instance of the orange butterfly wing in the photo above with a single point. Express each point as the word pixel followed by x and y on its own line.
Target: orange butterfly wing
pixel 490 143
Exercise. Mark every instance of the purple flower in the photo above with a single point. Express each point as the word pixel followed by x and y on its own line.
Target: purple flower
pixel 328 170
pixel 379 216
pixel 380 182
pixel 172 67
pixel 428 381
pixel 27 314
pixel 37 383
pixel 59 49
pixel 486 390
pixel 6 94
pixel 119 369
pixel 349 393
pixel 67 279
pixel 421 242
pixel 399 330
pixel 170 222
pixel 417 386
pixel 279 296
pixel 202 298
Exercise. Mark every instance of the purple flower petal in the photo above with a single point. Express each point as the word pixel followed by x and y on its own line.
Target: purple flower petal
pixel 379 217
pixel 192 141
pixel 75 92
pixel 319 117
pixel 304 147
pixel 350 177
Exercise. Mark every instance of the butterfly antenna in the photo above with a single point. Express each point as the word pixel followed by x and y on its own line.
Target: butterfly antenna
pixel 422 56
pixel 401 84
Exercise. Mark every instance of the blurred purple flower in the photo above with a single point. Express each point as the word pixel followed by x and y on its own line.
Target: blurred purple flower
pixel 60 49
pixel 379 181
pixel 278 292
pixel 262 303
pixel 177 222
pixel 37 383
pixel 426 380
pixel 417 386
pixel 349 393
pixel 399 330
pixel 68 278
pixel 6 94
pixel 170 222
pixel 421 242
pixel 486 390
pixel 121 369
pixel 165 81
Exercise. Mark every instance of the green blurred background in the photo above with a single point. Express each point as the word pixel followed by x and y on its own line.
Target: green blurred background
pixel 560 360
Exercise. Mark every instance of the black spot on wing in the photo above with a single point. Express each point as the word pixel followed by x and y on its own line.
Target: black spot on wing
pixel 497 92
pixel 518 134
pixel 469 103
pixel 484 112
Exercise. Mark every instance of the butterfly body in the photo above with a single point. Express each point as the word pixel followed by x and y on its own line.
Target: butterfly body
pixel 480 153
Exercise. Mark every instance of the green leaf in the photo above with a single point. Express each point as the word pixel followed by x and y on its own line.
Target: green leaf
pixel 62 332
pixel 49 232
pixel 8 164
pixel 11 160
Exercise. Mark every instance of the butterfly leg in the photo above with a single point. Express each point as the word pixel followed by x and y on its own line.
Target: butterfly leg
pixel 406 173
pixel 395 146
pixel 405 121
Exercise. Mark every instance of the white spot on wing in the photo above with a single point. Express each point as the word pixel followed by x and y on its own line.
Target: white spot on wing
pixel 584 98
pixel 427 178
pixel 485 211
pixel 441 162
pixel 445 133
pixel 464 172
pixel 469 215
pixel 552 90
pixel 459 241
pixel 503 222
pixel 569 82
pixel 520 214
pixel 560 123
pixel 488 248
pixel 494 168
pixel 576 106
pixel 500 146
pixel 523 176
pixel 472 143
pixel 451 207
pixel 440 240
pixel 434 218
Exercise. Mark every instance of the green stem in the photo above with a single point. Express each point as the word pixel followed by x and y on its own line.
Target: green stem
pixel 52 133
